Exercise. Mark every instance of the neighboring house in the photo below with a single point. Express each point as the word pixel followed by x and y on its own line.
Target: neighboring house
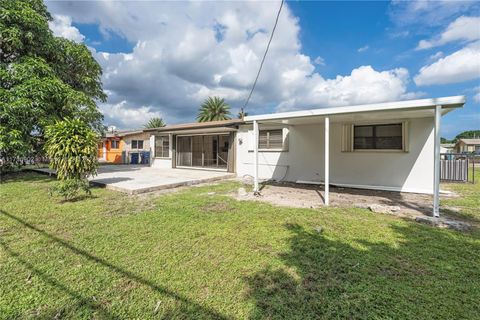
pixel 386 146
pixel 125 147
pixel 468 146
pixel 447 147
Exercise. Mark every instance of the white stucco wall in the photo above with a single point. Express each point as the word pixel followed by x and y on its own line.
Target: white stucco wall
pixel 141 136
pixel 410 171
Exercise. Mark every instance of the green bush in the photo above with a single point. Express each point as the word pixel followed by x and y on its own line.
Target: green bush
pixel 72 148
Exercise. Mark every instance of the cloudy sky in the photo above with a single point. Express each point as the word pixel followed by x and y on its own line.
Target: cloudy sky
pixel 162 59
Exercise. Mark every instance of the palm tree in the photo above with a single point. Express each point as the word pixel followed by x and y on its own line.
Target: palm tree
pixel 242 114
pixel 155 123
pixel 213 109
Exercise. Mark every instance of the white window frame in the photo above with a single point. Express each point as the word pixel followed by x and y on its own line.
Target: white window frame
pixel 285 143
pixel 137 141
pixel 169 147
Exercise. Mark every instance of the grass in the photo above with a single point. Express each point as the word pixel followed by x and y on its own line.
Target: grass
pixel 469 202
pixel 197 255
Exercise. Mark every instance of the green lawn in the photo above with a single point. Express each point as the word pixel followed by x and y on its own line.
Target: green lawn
pixel 192 254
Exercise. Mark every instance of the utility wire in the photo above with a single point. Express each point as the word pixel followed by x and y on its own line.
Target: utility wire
pixel 264 55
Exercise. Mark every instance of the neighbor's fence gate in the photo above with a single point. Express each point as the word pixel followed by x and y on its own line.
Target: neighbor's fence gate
pixel 455 167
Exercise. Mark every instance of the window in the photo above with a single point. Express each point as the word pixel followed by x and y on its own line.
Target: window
pixel 115 144
pixel 137 144
pixel 162 145
pixel 382 137
pixel 270 139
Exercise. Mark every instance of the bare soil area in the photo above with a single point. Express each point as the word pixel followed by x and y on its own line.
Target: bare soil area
pixel 311 196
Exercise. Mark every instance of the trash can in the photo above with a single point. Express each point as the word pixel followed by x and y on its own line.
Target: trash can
pixel 134 157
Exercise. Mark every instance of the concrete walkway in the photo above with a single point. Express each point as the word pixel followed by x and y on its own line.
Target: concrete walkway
pixel 134 179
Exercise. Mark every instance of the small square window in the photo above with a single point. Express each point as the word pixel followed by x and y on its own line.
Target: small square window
pixel 270 139
pixel 115 144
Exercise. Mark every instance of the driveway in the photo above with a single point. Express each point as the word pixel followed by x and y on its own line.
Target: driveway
pixel 134 179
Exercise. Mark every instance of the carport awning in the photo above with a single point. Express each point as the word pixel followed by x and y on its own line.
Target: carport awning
pixel 199 131
pixel 421 108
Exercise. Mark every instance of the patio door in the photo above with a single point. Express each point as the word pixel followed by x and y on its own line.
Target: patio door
pixel 203 151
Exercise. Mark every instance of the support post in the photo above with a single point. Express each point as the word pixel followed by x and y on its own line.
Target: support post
pixel 327 161
pixel 255 157
pixel 436 163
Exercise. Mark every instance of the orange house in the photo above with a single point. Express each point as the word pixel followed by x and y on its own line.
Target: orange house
pixel 116 146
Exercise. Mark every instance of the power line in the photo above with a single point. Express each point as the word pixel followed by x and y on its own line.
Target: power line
pixel 264 55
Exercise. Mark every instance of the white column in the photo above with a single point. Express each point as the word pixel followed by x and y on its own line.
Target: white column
pixel 255 156
pixel 436 163
pixel 327 161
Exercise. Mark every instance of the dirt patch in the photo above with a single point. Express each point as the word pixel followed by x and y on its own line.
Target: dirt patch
pixel 311 196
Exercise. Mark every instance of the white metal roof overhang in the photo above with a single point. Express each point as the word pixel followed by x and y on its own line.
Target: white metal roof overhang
pixel 217 130
pixel 422 108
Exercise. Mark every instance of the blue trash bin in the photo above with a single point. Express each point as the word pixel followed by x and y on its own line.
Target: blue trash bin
pixel 134 158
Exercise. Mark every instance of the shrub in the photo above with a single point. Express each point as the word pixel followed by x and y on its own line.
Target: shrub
pixel 72 148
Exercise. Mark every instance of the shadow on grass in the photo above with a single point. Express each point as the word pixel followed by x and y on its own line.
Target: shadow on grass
pixel 186 305
pixel 25 176
pixel 431 273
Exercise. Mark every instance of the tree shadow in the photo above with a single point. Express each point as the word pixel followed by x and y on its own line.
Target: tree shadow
pixel 431 274
pixel 25 176
pixel 185 305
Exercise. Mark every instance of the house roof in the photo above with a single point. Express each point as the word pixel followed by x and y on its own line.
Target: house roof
pixel 470 141
pixel 197 125
pixel 447 145
pixel 422 108
pixel 121 133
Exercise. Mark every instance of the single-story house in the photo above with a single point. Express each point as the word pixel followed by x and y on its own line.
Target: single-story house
pixel 468 146
pixel 447 147
pixel 125 147
pixel 391 146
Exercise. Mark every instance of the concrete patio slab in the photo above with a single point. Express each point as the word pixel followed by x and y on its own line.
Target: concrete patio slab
pixel 135 179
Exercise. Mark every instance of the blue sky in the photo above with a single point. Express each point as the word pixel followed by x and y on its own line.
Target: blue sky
pixel 163 59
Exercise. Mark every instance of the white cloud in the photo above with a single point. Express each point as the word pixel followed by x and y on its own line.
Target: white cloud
pixel 62 27
pixel 426 14
pixel 462 29
pixel 476 96
pixel 127 117
pixel 462 65
pixel 186 51
pixel 363 49
pixel 436 56
pixel 363 85
pixel 319 61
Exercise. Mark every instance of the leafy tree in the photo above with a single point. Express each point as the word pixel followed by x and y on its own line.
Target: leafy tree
pixel 213 109
pixel 470 134
pixel 155 123
pixel 72 148
pixel 43 79
pixel 444 140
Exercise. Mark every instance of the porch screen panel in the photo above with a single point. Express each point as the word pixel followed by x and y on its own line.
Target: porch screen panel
pixel 197 151
pixel 184 151
pixel 209 149
pixel 223 149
